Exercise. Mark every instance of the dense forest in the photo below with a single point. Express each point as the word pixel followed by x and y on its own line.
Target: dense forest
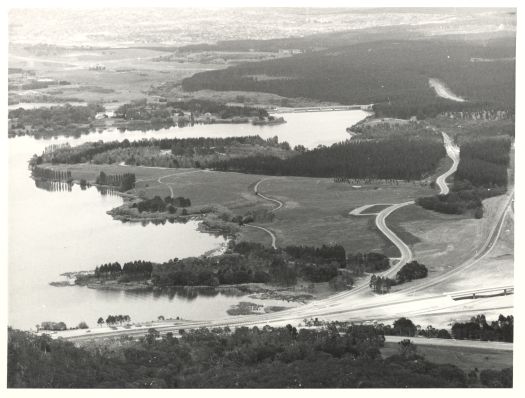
pixel 162 113
pixel 201 106
pixel 393 158
pixel 357 74
pixel 331 356
pixel 183 152
pixel 479 329
pixel 246 262
pixel 252 262
pixel 397 157
pixel 481 173
pixel 405 108
pixel 360 263
pixel 66 119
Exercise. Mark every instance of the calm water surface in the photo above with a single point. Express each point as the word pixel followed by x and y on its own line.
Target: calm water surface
pixel 52 232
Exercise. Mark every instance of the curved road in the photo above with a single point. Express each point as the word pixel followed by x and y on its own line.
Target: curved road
pixel 277 202
pixel 272 235
pixel 159 180
pixel 453 153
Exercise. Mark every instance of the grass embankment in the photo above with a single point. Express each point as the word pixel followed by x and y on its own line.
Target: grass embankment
pixel 465 358
pixel 446 241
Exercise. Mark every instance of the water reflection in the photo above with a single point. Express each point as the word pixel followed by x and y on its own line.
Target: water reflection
pixel 53 186
pixel 187 293
pixel 107 191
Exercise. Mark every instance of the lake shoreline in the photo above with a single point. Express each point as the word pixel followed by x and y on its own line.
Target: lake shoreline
pixel 260 291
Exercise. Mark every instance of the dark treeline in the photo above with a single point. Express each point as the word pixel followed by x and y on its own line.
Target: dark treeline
pixel 54 120
pixel 357 74
pixel 115 320
pixel 179 146
pixel 481 173
pixel 124 182
pixel 367 262
pixel 325 253
pixel 162 113
pixel 408 272
pixel 131 268
pixel 157 204
pixel 220 358
pixel 247 262
pixel 201 106
pixel 250 262
pixel 242 263
pixel 479 329
pixel 56 175
pixel 427 107
pixel 484 161
pixel 399 158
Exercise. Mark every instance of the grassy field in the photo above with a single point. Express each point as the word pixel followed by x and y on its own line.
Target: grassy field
pixel 316 211
pixel 465 358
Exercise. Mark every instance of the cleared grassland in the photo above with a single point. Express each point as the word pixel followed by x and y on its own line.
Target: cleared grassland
pixel 316 211
pixel 465 358
pixel 495 269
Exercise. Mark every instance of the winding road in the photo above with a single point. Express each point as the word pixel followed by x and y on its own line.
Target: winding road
pixel 453 153
pixel 277 202
pixel 172 194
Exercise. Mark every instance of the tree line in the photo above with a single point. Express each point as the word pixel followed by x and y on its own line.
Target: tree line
pixel 360 263
pixel 243 262
pixel 124 182
pixel 114 320
pixel 188 147
pixel 56 175
pixel 255 357
pixel 157 204
pixel 54 120
pixel 479 329
pixel 110 270
pixel 394 158
pixel 408 272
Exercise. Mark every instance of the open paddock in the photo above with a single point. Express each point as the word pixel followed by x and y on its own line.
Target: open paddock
pixel 465 358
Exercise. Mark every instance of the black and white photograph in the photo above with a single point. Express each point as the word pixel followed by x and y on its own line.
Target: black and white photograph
pixel 266 196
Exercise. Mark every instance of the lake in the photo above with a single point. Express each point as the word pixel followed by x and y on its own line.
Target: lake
pixel 61 230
